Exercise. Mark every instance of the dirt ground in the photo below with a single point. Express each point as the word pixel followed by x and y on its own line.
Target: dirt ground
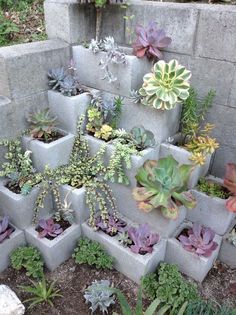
pixel 73 280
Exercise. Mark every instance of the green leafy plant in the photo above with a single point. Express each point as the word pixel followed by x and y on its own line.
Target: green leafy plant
pixel 168 285
pixel 166 86
pixel 42 292
pixel 92 253
pixel 28 258
pixel 207 308
pixel 18 168
pixel 42 124
pixel 12 4
pixel 163 185
pixel 98 295
pixel 212 189
pixel 7 29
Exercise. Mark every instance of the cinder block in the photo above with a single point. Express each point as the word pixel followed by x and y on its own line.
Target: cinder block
pixel 58 250
pixel 68 109
pixel 163 124
pixel 129 77
pixel 136 160
pixel 128 207
pixel 26 66
pixel 53 154
pixel 211 211
pixel 134 266
pixel 15 240
pixel 78 201
pixel 228 251
pixel 194 266
pixel 182 156
pixel 20 208
pixel 216 29
pixel 232 96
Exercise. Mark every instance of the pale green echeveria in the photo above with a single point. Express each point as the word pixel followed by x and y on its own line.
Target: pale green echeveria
pixel 164 186
pixel 166 86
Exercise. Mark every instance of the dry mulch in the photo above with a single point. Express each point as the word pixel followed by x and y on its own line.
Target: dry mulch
pixel 73 279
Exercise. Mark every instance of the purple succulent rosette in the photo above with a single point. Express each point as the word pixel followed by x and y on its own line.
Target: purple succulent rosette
pixel 5 229
pixel 143 239
pixel 199 240
pixel 149 41
pixel 49 228
pixel 112 226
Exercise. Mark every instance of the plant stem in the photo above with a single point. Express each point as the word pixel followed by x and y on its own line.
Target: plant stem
pixel 98 22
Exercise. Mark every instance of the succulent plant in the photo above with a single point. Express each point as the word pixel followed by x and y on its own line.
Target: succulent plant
pixel 199 240
pixel 230 184
pixel 100 296
pixel 42 124
pixel 68 86
pixel 142 138
pixel 135 96
pixel 112 226
pixel 124 239
pixel 49 228
pixel 56 77
pixel 149 41
pixel 143 239
pixel 167 85
pixel 232 236
pixel 104 133
pixel 5 229
pixel 163 185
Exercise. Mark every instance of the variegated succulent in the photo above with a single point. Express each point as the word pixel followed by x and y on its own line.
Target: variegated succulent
pixel 166 86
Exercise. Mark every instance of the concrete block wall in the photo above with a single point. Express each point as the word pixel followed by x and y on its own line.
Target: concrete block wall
pixel 203 39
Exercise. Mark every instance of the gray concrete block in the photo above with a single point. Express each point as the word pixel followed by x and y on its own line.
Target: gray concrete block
pixel 182 156
pixel 26 66
pixel 134 266
pixel 211 212
pixel 228 251
pixel 128 207
pixel 16 239
pixel 232 96
pixel 69 21
pixel 194 266
pixel 216 33
pixel 136 160
pixel 68 109
pixel 58 250
pixel 53 154
pixel 223 155
pixel 78 201
pixel 129 77
pixel 163 124
pixel 20 208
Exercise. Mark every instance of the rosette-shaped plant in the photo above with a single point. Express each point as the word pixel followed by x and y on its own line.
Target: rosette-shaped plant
pixel 163 185
pixel 230 184
pixel 49 228
pixel 149 41
pixel 199 240
pixel 167 85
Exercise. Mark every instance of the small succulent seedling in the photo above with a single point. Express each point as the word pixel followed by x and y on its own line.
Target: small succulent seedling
pixel 111 226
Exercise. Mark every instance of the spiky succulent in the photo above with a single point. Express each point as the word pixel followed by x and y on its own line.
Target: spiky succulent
pixel 163 185
pixel 199 240
pixel 167 85
pixel 68 86
pixel 232 236
pixel 124 239
pixel 49 228
pixel 230 184
pixel 142 138
pixel 42 124
pixel 143 239
pixel 5 229
pixel 135 96
pixel 149 41
pixel 56 77
pixel 99 295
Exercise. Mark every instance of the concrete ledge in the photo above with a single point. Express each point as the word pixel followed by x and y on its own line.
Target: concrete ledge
pixel 25 66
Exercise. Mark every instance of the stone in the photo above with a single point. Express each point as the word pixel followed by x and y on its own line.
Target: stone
pixel 25 66
pixel 194 266
pixel 182 156
pixel 132 265
pixel 53 154
pixel 58 250
pixel 68 109
pixel 129 76
pixel 9 302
